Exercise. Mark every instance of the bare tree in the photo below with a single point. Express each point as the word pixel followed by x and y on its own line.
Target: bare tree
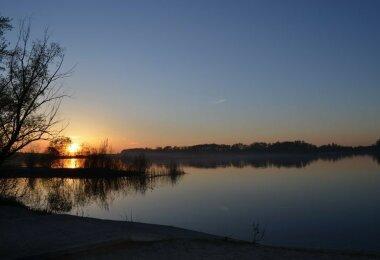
pixel 4 26
pixel 58 146
pixel 30 93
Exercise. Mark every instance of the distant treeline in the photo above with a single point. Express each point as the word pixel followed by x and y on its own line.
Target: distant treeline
pixel 292 147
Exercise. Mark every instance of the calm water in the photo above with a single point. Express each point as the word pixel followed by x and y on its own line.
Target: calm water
pixel 321 204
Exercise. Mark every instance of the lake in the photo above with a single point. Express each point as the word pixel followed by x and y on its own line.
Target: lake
pixel 319 203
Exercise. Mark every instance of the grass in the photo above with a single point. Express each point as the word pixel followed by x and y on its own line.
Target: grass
pixel 173 168
pixel 101 158
pixel 258 233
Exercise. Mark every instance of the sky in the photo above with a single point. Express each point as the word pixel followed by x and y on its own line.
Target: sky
pixel 156 73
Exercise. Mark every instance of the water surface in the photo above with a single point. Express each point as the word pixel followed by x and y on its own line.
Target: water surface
pixel 321 204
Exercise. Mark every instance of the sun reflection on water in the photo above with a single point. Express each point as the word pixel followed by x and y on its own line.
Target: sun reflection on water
pixel 69 163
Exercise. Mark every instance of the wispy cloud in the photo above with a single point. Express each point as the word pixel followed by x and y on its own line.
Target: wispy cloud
pixel 219 101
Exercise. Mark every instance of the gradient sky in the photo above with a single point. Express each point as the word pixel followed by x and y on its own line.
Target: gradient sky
pixel 154 73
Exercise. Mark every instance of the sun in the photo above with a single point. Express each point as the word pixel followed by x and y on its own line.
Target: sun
pixel 73 148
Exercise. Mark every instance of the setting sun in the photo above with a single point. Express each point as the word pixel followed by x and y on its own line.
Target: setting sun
pixel 73 148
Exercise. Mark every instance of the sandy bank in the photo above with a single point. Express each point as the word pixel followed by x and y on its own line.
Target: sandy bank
pixel 25 234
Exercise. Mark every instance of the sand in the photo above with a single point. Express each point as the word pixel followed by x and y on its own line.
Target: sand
pixel 28 234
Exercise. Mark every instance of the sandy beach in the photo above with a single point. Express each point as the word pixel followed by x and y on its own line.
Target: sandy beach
pixel 29 234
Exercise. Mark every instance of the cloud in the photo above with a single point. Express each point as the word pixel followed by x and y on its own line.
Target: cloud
pixel 219 101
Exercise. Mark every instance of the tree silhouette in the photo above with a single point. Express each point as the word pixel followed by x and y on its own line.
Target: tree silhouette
pixel 287 147
pixel 59 145
pixel 29 92
pixel 4 26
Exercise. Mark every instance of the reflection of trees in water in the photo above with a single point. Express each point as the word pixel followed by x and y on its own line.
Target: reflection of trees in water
pixel 59 202
pixel 63 195
pixel 377 158
pixel 161 162
pixel 240 161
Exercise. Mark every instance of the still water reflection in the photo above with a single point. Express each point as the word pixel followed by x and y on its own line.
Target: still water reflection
pixel 70 163
pixel 322 203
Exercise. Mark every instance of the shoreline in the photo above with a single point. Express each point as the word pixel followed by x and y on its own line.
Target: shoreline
pixel 75 173
pixel 31 234
pixel 198 160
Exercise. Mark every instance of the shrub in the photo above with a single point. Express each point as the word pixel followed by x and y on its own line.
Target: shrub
pixel 258 233
pixel 100 158
pixel 173 168
pixel 31 159
pixel 140 164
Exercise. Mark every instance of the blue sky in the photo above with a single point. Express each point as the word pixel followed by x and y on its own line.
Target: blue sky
pixel 155 73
